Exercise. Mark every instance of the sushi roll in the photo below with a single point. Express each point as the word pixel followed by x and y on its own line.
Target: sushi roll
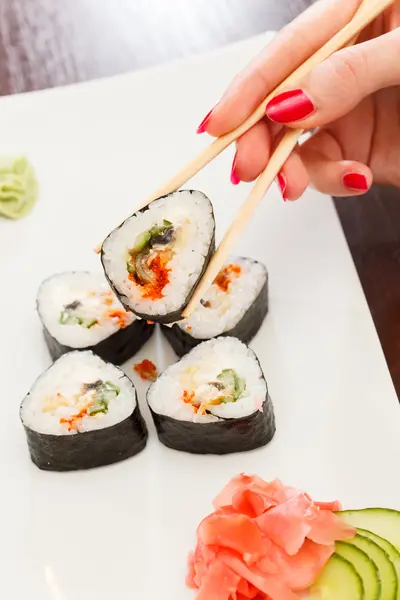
pixel 213 401
pixel 235 305
pixel 154 260
pixel 82 413
pixel 79 311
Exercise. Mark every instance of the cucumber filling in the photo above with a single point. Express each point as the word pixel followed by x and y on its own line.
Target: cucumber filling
pixel 156 238
pixel 228 387
pixel 69 316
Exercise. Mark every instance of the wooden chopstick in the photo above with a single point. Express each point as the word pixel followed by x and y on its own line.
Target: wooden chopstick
pixel 242 218
pixel 344 36
pixel 366 13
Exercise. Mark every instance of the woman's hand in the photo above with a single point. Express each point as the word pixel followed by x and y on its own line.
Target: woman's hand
pixel 353 97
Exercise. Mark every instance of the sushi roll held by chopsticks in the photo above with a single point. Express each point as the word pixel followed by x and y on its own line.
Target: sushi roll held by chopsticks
pixel 235 305
pixel 82 413
pixel 213 401
pixel 154 260
pixel 79 311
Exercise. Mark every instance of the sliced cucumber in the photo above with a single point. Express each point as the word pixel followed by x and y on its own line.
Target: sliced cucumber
pixel 338 581
pixel 385 522
pixel 365 567
pixel 394 554
pixel 386 570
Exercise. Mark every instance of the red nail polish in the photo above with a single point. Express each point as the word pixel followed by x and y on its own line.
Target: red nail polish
pixel 356 181
pixel 202 127
pixel 282 183
pixel 289 107
pixel 234 178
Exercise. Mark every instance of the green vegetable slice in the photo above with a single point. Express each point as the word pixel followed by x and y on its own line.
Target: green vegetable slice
pixel 141 242
pixel 67 317
pixel 130 267
pixel 384 522
pixel 365 567
pixel 100 407
pixel 390 550
pixel 105 392
pixel 386 571
pixel 89 324
pixel 338 581
pixel 233 384
pixel 144 239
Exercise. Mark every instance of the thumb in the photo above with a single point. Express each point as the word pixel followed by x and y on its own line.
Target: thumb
pixel 337 85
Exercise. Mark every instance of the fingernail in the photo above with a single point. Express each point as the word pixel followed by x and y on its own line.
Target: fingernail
pixel 356 181
pixel 282 183
pixel 202 127
pixel 234 178
pixel 289 107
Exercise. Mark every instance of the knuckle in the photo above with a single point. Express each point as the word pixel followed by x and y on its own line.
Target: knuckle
pixel 349 68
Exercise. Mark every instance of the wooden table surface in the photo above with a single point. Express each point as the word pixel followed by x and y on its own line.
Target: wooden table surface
pixel 47 43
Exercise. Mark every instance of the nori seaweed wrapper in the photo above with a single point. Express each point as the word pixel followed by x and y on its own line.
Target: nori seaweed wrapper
pixel 91 448
pixel 245 330
pixel 117 348
pixel 177 314
pixel 225 436
pixel 221 437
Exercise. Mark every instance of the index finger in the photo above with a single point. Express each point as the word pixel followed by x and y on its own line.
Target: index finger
pixel 292 46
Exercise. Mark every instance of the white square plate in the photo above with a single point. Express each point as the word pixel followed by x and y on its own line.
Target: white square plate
pixel 124 531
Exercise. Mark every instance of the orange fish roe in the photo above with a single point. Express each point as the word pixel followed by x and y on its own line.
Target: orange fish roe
pixel 187 397
pixel 224 277
pixel 146 370
pixel 154 290
pixel 120 315
pixel 72 420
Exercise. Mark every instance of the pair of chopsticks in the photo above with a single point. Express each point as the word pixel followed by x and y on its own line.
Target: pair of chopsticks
pixel 367 12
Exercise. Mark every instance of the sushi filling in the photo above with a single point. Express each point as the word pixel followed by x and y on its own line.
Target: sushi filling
pixel 218 379
pixel 224 278
pixel 69 316
pixel 79 309
pixel 92 399
pixel 227 299
pixel 103 305
pixel 148 260
pixel 78 393
pixel 154 259
pixel 228 387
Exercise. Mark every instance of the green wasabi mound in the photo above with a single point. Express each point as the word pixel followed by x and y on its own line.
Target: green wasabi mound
pixel 18 186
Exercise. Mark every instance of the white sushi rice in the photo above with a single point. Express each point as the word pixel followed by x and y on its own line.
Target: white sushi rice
pixel 96 299
pixel 42 409
pixel 201 366
pixel 191 212
pixel 226 308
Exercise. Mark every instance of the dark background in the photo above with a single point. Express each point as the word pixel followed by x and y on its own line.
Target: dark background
pixel 47 43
